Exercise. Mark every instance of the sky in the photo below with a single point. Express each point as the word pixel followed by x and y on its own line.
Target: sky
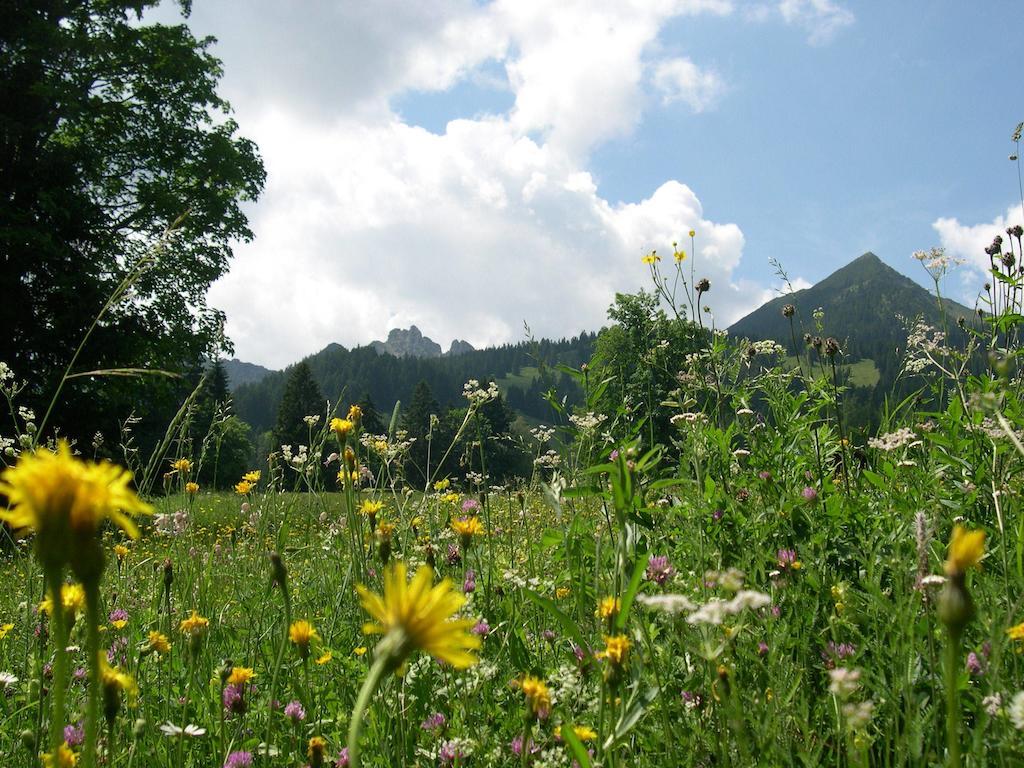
pixel 476 167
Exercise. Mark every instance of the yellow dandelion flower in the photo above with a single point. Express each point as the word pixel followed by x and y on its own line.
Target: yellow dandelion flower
pixel 562 592
pixel 121 551
pixel 417 615
pixel 65 500
pixel 158 642
pixel 324 658
pixel 184 466
pixel 583 733
pixel 608 607
pixel 538 696
pixel 195 625
pixel 243 487
pixel 965 550
pixel 240 675
pixel 1014 633
pixel 679 256
pixel 355 414
pixel 119 623
pixel 385 530
pixel 467 527
pixel 302 633
pixel 315 749
pixel 252 476
pixel 116 681
pixel 616 649
pixel 370 508
pixel 651 258
pixel 341 427
pixel 191 488
pixel 359 650
pixel 442 485
pixel 5 629
pixel 72 597
pixel 64 758
pixel 692 233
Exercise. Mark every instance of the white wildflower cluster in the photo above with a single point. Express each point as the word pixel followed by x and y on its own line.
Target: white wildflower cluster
pixel 858 715
pixel 587 422
pixel 993 703
pixel 671 604
pixel 476 480
pixel 536 583
pixel 688 418
pixel 311 421
pixel 992 429
pixel 1016 710
pixel 173 524
pixel 566 684
pixel 936 261
pixel 548 460
pixel 716 610
pixel 767 347
pixel 388 449
pixel 542 434
pixel 843 682
pixel 477 395
pixel 904 436
pixel 924 343
pixel 296 459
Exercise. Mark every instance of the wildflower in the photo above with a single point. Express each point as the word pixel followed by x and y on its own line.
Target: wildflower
pixel 442 485
pixel 703 285
pixel 433 723
pixel 679 256
pixel 301 632
pixel 253 476
pixel 116 685
pixel 616 649
pixel 416 615
pixel 121 551
pixel 692 233
pixel 355 414
pixel 467 528
pixel 239 760
pixel 1016 711
pixel 844 682
pixel 72 599
pixel 659 570
pixel 191 488
pixel 810 494
pixel 325 657
pixel 470 506
pixel 1016 633
pixel 7 681
pixel 341 427
pixel 183 466
pixel 651 258
pixel 315 751
pixel 469 582
pixel 157 642
pixel 118 618
pixel 787 560
pixel 858 716
pixel 243 487
pixel 583 733
pixel 240 676
pixel 608 608
pixel 65 500
pixel 562 592
pixel 194 625
pixel 965 550
pixel 974 666
pixel 74 735
pixel 667 603
pixel 63 758
pixel 956 607
pixel 192 731
pixel 538 696
pixel 481 628
pixel 233 699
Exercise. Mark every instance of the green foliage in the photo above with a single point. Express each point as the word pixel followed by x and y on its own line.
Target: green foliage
pixel 110 132
pixel 302 398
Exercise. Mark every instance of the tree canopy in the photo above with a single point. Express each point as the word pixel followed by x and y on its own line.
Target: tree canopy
pixel 111 130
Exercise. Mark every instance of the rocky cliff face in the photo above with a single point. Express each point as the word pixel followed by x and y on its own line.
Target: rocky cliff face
pixel 407 343
pixel 460 347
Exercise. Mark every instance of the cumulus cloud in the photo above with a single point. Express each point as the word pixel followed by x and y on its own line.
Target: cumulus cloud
pixel 680 79
pixel 967 242
pixel 370 222
pixel 821 19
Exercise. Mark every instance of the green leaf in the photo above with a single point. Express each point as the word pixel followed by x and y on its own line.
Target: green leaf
pixel 634 587
pixel 579 752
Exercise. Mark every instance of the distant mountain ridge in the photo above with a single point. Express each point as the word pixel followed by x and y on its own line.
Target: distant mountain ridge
pixel 861 301
pixel 412 343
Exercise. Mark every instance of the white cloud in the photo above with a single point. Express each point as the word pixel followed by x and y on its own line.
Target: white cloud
pixel 369 222
pixel 680 79
pixel 967 242
pixel 821 19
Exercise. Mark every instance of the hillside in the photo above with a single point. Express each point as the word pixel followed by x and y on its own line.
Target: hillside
pixel 861 302
pixel 351 374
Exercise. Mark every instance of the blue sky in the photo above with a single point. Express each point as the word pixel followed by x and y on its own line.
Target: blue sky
pixel 468 166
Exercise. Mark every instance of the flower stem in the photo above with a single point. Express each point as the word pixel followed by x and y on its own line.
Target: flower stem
pixel 355 726
pixel 952 706
pixel 92 645
pixel 60 660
